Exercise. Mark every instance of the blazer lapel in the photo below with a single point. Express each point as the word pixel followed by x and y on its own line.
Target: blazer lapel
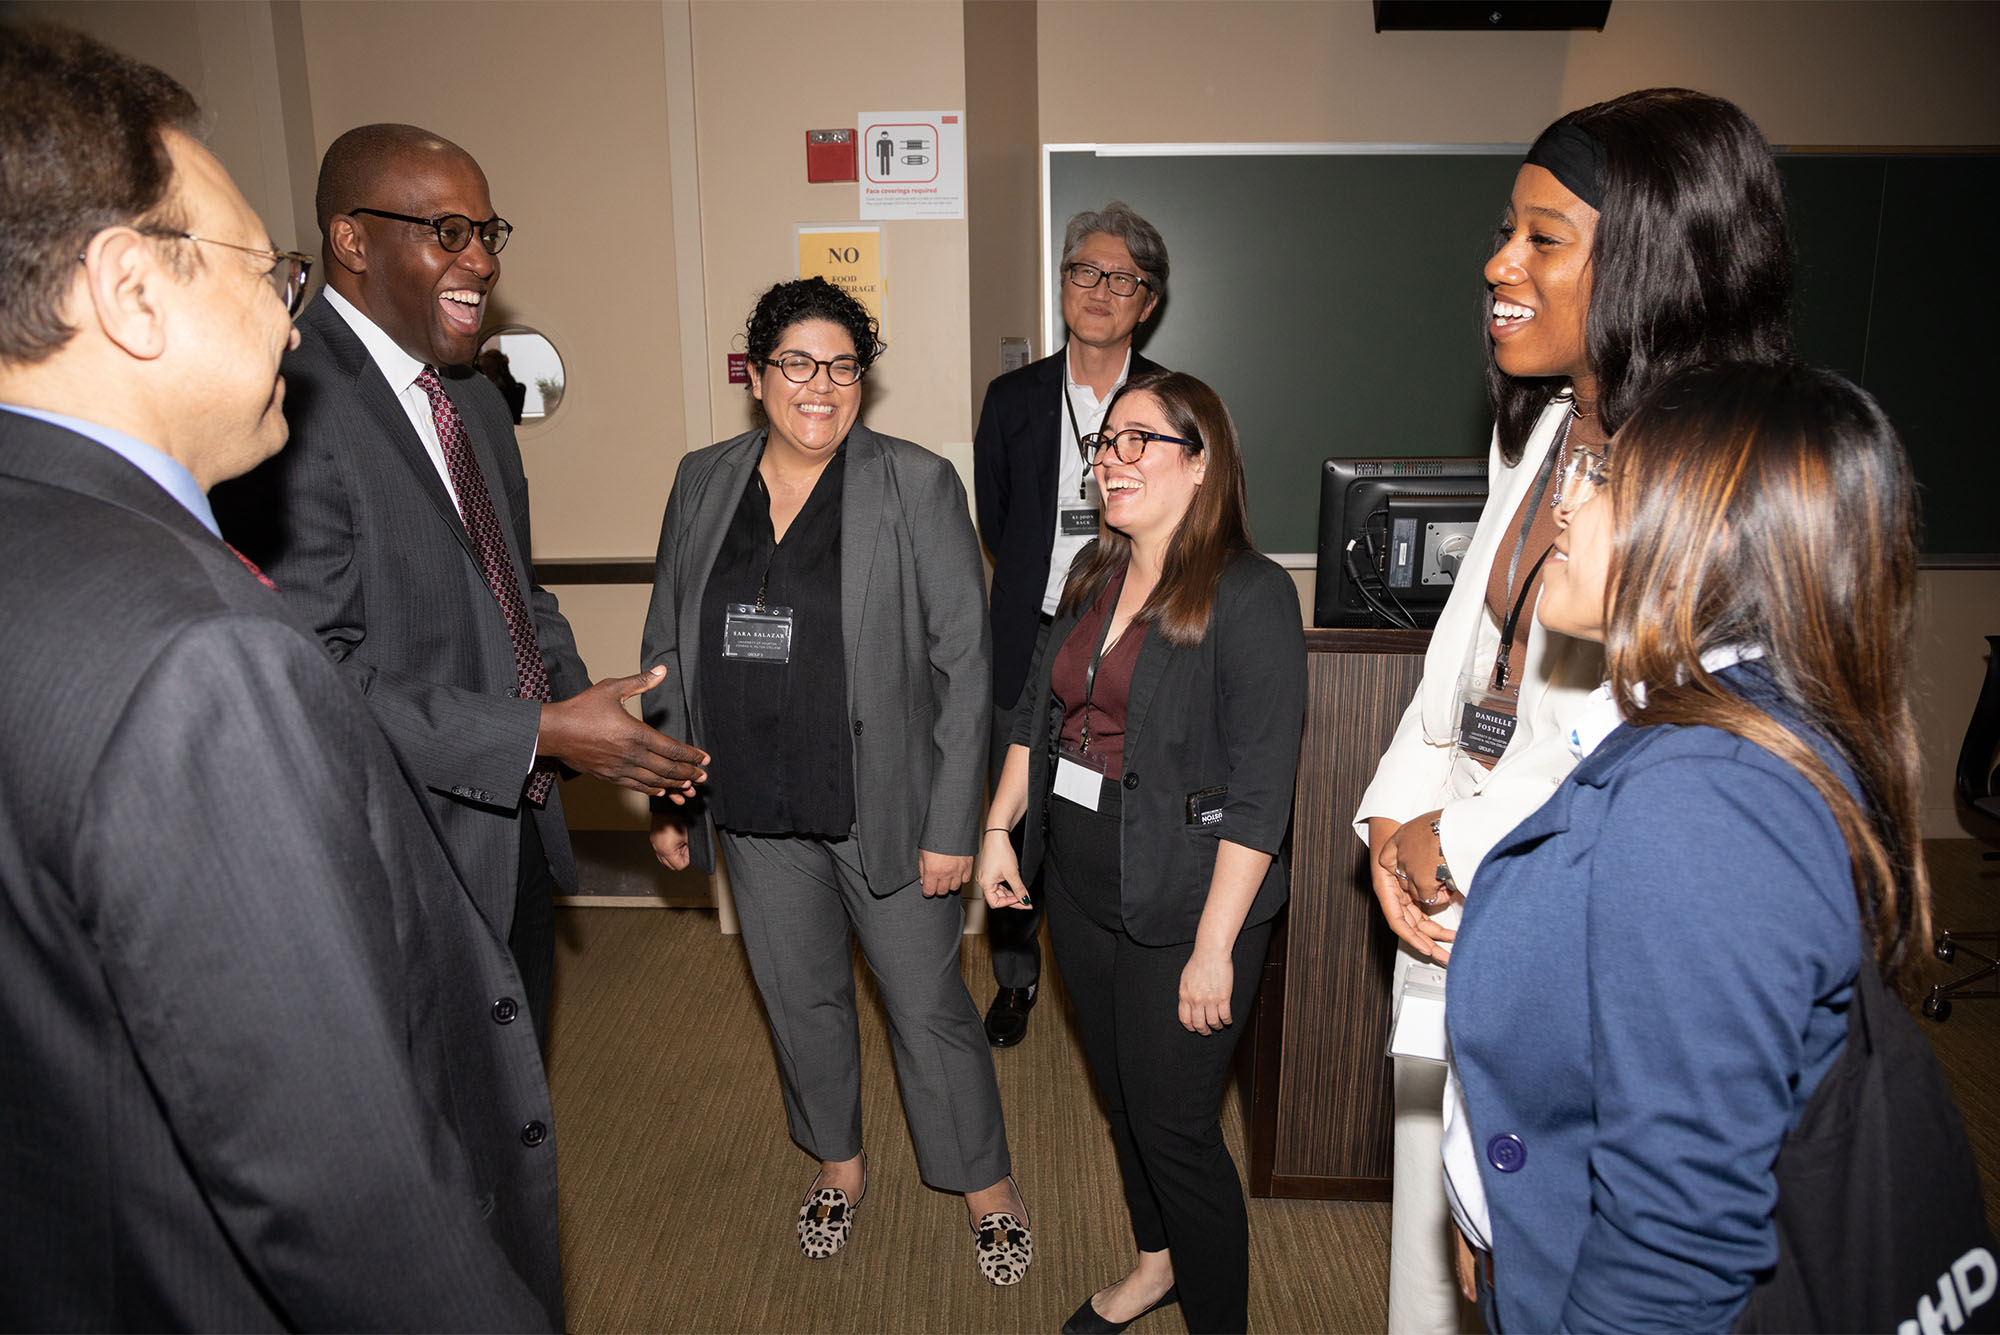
pixel 861 502
pixel 713 510
pixel 1146 674
pixel 386 410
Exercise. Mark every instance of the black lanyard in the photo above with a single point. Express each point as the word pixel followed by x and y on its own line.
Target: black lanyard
pixel 1528 516
pixel 1096 657
pixel 1083 483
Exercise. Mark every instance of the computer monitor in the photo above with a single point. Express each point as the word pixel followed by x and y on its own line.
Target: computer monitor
pixel 1392 533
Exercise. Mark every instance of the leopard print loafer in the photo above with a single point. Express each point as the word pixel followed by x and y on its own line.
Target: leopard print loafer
pixel 1006 1247
pixel 826 1221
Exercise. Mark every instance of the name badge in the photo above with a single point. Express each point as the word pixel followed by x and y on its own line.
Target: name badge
pixel 1204 809
pixel 1079 779
pixel 761 637
pixel 1078 523
pixel 1485 720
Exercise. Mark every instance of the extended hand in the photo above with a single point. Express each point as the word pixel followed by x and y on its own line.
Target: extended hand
pixel 999 873
pixel 670 840
pixel 1205 985
pixel 591 733
pixel 942 875
pixel 1411 849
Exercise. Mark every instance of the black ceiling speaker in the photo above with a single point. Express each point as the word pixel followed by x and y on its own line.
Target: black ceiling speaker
pixel 1488 15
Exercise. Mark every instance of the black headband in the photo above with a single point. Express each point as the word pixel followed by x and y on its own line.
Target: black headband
pixel 1573 158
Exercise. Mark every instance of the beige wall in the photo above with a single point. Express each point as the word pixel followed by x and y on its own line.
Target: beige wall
pixel 650 152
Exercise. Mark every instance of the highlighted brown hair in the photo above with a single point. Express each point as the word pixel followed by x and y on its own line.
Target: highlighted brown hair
pixel 1773 506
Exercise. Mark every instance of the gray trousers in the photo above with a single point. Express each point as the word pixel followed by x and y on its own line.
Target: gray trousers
pixel 802 902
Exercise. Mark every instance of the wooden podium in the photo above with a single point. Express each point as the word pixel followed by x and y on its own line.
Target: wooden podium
pixel 1321 1095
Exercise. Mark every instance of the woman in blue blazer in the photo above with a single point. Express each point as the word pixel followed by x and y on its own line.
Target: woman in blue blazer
pixel 1656 973
pixel 1154 759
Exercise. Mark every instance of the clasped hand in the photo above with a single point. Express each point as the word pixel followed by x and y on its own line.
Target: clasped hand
pixel 1403 870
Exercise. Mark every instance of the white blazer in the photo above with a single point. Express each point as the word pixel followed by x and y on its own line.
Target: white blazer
pixel 1420 772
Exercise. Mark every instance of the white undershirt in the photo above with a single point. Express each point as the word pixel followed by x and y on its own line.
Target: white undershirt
pixel 1072 491
pixel 401 370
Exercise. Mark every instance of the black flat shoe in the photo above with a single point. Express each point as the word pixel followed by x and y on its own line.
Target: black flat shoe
pixel 1007 1017
pixel 1086 1321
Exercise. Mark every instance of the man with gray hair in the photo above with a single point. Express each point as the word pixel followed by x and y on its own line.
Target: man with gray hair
pixel 1038 504
pixel 261 1070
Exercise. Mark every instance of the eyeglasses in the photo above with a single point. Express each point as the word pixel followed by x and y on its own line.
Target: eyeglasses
pixel 1089 276
pixel 288 273
pixel 454 230
pixel 1126 446
pixel 800 369
pixel 1582 476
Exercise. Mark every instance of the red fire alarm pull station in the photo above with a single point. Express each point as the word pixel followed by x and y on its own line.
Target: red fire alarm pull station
pixel 830 156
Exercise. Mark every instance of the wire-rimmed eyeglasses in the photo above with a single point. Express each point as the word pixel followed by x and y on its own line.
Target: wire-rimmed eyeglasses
pixel 1126 446
pixel 1089 276
pixel 1585 472
pixel 289 268
pixel 800 369
pixel 455 231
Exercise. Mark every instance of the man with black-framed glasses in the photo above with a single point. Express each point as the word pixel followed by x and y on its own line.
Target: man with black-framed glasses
pixel 397 524
pixel 1038 505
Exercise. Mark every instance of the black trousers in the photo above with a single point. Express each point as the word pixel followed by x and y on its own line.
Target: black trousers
pixel 532 935
pixel 1162 1084
pixel 1014 935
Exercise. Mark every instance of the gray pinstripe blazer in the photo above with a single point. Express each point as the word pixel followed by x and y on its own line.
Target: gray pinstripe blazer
pixel 913 624
pixel 356 527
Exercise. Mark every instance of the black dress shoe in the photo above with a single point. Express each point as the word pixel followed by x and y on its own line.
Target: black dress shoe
pixel 1007 1017
pixel 1086 1321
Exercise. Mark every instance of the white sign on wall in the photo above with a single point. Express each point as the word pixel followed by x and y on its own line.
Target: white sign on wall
pixel 912 164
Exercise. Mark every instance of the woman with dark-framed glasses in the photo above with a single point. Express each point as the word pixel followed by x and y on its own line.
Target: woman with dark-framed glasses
pixel 1153 764
pixel 818 604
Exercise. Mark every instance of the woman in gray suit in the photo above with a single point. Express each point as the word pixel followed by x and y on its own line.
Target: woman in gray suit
pixel 819 607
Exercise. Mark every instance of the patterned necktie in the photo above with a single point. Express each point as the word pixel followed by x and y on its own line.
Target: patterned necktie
pixel 475 503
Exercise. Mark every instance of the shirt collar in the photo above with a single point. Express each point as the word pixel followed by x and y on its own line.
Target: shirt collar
pixel 1124 374
pixel 1599 716
pixel 399 368
pixel 165 470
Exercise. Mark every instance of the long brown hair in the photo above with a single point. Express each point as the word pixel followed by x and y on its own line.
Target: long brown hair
pixel 1215 527
pixel 1773 506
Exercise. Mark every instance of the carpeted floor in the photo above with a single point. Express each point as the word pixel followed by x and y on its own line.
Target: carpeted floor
pixel 679 1184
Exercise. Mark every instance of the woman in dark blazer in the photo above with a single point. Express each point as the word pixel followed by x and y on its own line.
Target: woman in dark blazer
pixel 1154 762
pixel 1655 974
pixel 818 606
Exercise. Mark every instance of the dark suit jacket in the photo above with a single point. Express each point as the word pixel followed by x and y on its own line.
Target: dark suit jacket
pixel 1228 712
pixel 358 530
pixel 1015 459
pixel 253 1075
pixel 912 623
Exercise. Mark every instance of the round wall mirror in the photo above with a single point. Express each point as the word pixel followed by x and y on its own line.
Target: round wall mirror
pixel 527 369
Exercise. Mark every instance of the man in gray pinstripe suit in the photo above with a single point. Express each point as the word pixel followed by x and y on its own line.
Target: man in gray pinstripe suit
pixel 397 523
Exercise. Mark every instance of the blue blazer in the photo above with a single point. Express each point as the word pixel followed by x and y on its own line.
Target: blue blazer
pixel 1650 982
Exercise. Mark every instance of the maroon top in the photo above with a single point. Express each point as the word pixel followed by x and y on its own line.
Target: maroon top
pixel 1114 683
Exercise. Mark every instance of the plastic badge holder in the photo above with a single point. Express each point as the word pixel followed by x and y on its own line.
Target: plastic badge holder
pixel 1416 1032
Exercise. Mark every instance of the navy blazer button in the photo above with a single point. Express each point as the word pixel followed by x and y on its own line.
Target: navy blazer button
pixel 1131 781
pixel 1506 1152
pixel 533 1134
pixel 504 1010
pixel 857 727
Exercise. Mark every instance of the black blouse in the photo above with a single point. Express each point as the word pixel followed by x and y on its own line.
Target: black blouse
pixel 778 732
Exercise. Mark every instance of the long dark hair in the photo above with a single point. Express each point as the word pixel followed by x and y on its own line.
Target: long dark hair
pixel 1692 260
pixel 1773 506
pixel 1215 527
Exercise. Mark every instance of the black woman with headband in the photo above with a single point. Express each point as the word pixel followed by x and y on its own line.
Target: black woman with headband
pixel 1644 235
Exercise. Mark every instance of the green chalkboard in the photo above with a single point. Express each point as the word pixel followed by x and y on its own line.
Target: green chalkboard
pixel 1334 300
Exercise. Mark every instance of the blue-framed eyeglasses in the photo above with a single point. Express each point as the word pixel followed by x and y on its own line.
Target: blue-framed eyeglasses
pixel 1126 446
